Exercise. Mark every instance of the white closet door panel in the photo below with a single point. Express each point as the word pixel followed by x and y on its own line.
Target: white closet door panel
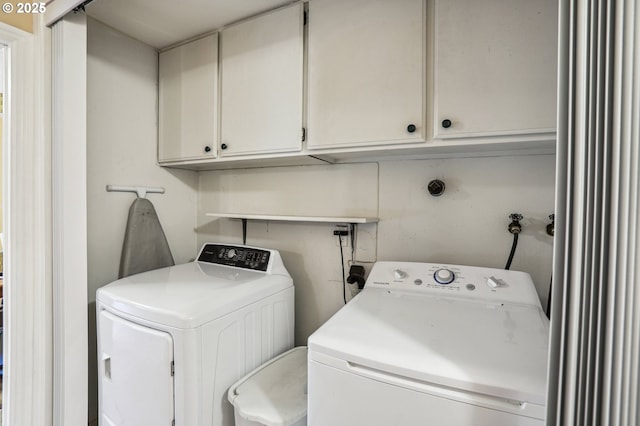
pixel 495 69
pixel 261 87
pixel 188 85
pixel 366 72
pixel 134 367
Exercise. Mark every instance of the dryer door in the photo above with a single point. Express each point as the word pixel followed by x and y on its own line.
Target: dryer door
pixel 135 373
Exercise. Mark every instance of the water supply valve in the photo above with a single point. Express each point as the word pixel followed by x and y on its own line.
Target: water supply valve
pixel 515 227
pixel 551 226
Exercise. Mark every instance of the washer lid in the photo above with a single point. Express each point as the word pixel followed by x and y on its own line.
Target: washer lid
pixel 189 295
pixel 494 349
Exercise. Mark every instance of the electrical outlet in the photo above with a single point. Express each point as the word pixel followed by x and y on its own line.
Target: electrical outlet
pixel 342 234
pixel 345 241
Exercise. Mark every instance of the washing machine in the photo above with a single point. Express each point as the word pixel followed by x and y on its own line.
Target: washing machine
pixel 172 341
pixel 432 344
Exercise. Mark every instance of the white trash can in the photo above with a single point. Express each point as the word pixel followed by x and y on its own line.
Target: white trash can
pixel 274 394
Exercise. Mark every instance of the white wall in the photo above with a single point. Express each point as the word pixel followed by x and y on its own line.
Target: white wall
pixel 121 139
pixel 466 225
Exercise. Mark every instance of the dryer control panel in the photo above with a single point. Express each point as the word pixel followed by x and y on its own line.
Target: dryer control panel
pixel 236 256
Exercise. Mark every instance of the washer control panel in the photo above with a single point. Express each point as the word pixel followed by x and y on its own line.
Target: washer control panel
pixel 454 280
pixel 236 256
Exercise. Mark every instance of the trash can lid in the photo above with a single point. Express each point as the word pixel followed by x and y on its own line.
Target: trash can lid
pixel 275 394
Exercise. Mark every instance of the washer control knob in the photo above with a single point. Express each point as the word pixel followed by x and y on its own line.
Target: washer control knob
pixel 231 253
pixel 399 274
pixel 494 282
pixel 444 276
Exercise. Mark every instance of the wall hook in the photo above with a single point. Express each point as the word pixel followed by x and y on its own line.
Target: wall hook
pixel 141 191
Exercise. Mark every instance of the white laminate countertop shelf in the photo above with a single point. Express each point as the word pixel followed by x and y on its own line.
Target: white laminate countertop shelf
pixel 323 219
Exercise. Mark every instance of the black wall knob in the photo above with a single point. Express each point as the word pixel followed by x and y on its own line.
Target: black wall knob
pixel 436 187
pixel 411 128
pixel 446 123
pixel 224 146
pixel 207 148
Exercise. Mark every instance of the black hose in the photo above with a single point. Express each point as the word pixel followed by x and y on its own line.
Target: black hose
pixel 344 284
pixel 548 312
pixel 513 251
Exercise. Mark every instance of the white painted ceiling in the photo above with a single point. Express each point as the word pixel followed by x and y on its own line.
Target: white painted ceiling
pixel 161 23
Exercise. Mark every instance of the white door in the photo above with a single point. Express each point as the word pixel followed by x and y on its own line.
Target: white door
pixel 188 96
pixel 135 373
pixel 261 83
pixel 495 67
pixel 366 72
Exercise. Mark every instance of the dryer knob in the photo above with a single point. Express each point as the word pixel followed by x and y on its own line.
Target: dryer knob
pixel 444 276
pixel 231 253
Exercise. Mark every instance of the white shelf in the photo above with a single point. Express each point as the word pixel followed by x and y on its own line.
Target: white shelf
pixel 322 219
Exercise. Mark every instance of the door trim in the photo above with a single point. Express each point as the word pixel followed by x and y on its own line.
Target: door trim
pixel 28 383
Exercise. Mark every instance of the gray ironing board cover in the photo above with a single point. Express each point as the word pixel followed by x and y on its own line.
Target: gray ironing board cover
pixel 145 246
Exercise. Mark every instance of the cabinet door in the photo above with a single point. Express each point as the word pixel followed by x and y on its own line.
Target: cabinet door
pixel 495 67
pixel 261 83
pixel 188 85
pixel 365 72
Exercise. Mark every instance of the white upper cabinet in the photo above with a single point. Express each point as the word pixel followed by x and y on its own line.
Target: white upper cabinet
pixel 495 68
pixel 366 79
pixel 355 77
pixel 188 85
pixel 262 84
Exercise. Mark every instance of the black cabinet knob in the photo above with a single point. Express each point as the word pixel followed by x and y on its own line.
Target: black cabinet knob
pixel 223 146
pixel 446 123
pixel 411 128
pixel 207 148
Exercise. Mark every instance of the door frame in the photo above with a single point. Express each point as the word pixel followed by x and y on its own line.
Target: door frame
pixel 69 220
pixel 28 336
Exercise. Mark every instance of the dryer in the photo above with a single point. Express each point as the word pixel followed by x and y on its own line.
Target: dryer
pixel 432 344
pixel 172 341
